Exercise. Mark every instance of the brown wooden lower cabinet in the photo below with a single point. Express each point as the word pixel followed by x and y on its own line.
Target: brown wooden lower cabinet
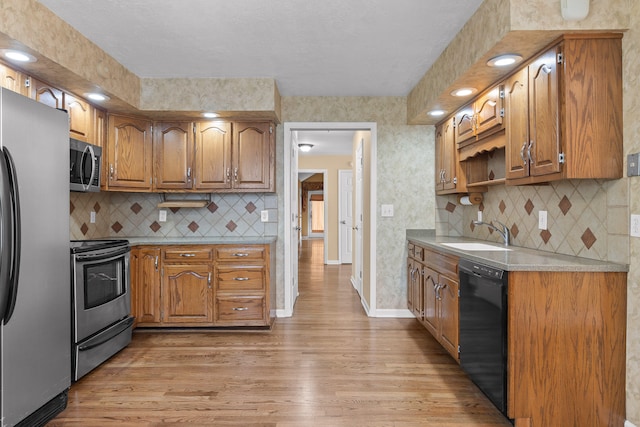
pixel 566 338
pixel 201 285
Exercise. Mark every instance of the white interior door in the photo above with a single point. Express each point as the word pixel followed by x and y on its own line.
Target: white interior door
pixel 358 217
pixel 345 201
pixel 294 221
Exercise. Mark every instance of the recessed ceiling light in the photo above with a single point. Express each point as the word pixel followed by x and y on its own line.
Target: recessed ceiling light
pixel 305 147
pixel 210 115
pixel 504 60
pixel 18 56
pixel 465 91
pixel 96 96
pixel 436 113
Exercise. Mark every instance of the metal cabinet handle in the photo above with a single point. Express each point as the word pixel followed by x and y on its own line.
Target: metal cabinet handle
pixel 228 176
pixel 209 280
pixel 529 150
pixel 235 174
pixel 111 170
pixel 524 147
pixel 156 263
pixel 240 308
pixel 241 254
pixel 187 255
pixel 241 279
pixel 188 174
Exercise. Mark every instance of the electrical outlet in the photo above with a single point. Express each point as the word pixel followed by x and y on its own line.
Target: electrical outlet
pixel 542 220
pixel 635 226
pixel 162 216
pixel 264 216
pixel 93 217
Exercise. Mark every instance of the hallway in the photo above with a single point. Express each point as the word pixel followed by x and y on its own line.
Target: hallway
pixel 327 366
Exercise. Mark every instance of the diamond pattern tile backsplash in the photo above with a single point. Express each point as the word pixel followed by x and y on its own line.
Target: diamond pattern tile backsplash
pixel 137 215
pixel 586 218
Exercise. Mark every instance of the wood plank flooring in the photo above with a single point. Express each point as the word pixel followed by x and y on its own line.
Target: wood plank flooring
pixel 327 366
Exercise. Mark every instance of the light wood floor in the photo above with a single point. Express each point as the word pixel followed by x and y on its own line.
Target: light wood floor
pixel 329 365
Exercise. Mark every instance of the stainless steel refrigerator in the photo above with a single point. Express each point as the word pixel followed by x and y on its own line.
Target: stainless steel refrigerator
pixel 35 293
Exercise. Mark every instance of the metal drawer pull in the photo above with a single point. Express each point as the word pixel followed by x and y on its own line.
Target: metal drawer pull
pixel 240 279
pixel 187 255
pixel 241 254
pixel 240 308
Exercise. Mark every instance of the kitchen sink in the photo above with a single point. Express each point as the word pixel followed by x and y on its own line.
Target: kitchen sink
pixel 474 246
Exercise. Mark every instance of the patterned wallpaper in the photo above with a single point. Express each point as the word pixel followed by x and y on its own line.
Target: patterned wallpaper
pixel 136 215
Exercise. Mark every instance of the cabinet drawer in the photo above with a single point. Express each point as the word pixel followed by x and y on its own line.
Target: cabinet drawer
pixel 444 264
pixel 187 254
pixel 241 253
pixel 239 310
pixel 243 278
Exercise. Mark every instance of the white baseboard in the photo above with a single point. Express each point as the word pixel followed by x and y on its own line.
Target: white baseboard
pixel 333 262
pixel 629 424
pixel 366 307
pixel 283 313
pixel 401 313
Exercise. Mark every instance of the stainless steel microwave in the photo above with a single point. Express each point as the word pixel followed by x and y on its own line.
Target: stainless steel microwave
pixel 84 166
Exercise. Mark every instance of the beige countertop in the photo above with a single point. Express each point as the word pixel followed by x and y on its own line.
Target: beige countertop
pixel 516 259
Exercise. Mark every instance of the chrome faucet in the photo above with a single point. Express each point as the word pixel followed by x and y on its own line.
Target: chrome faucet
pixel 504 232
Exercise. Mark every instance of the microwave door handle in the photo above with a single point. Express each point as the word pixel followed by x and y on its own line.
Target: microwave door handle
pixel 89 149
pixel 15 231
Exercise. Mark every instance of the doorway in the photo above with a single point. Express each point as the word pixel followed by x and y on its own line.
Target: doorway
pixel 367 232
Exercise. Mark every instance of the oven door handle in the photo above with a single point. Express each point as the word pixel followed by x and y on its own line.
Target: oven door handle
pixel 121 328
pixel 102 256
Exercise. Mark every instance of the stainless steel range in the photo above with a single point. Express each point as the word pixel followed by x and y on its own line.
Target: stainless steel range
pixel 102 320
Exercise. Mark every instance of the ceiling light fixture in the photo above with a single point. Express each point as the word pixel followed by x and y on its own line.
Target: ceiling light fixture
pixel 210 115
pixel 96 96
pixel 504 60
pixel 305 148
pixel 18 56
pixel 465 91
pixel 436 113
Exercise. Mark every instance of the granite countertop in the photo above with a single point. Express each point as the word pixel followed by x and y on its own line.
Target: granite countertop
pixel 232 240
pixel 516 259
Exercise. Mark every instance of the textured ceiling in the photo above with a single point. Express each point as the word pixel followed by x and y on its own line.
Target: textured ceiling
pixel 311 48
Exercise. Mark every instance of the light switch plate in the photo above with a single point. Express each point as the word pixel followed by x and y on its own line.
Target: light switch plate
pixel 542 220
pixel 93 217
pixel 162 216
pixel 264 216
pixel 635 226
pixel 479 216
pixel 386 210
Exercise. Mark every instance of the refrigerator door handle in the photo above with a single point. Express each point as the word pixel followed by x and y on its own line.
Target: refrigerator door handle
pixel 14 232
pixel 5 238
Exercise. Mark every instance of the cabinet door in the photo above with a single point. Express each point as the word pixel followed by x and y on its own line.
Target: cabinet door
pixel 13 80
pixel 449 323
pixel 517 124
pixel 449 157
pixel 544 114
pixel 99 138
pixel 186 294
pixel 145 288
pixel 213 156
pixel 464 122
pixel 79 117
pixel 430 301
pixel 173 152
pixel 46 94
pixel 253 161
pixel 489 112
pixel 129 154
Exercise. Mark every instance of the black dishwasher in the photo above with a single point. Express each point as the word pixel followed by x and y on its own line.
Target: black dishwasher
pixel 483 329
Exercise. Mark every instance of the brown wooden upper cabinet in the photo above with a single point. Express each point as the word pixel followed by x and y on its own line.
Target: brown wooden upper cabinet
pixel 13 80
pixel 564 112
pixel 173 153
pixel 213 156
pixel 480 118
pixel 253 157
pixel 129 154
pixel 80 117
pixel 448 176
